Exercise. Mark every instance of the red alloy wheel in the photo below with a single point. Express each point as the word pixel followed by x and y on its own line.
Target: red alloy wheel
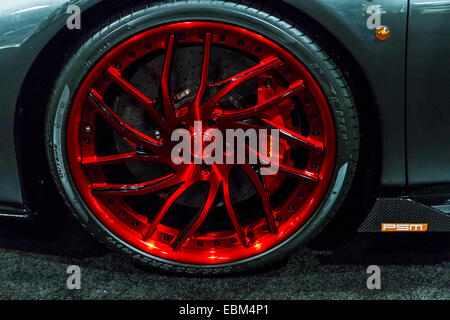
pixel 119 142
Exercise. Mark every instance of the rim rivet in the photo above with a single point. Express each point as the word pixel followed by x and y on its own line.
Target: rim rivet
pixel 291 207
pixel 278 219
pixel 217 243
pixel 148 46
pixel 200 243
pixel 110 201
pixel 233 240
pixel 118 66
pixel 301 194
pixel 241 42
pixel 258 50
pixel 122 213
pixel 222 37
pixel 132 55
pixel 182 36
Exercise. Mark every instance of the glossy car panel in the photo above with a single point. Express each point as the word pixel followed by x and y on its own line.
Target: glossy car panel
pixel 383 64
pixel 428 93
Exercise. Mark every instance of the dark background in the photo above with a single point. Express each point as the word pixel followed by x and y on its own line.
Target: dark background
pixel 34 260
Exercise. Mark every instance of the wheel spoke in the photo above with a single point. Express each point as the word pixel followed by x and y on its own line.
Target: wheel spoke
pixel 120 126
pixel 205 75
pixel 298 174
pixel 296 138
pixel 200 217
pixel 169 109
pixel 263 195
pixel 293 89
pixel 233 216
pixel 238 79
pixel 288 170
pixel 148 104
pixel 137 189
pixel 151 228
pixel 119 159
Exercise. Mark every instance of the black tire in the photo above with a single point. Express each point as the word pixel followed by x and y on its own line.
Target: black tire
pixel 320 65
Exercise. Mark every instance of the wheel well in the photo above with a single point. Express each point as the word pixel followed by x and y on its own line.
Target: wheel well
pixel 36 90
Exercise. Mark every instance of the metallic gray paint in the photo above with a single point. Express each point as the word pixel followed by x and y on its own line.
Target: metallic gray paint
pixel 18 50
pixel 428 94
pixel 383 63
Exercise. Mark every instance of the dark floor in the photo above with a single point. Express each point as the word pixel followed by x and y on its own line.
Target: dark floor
pixel 33 265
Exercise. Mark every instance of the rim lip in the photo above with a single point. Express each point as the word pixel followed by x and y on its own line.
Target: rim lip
pixel 189 256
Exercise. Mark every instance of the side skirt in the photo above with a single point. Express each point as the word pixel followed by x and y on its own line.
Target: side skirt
pixel 405 214
pixel 12 212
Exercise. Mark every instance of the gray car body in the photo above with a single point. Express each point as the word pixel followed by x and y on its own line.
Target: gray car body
pixel 408 76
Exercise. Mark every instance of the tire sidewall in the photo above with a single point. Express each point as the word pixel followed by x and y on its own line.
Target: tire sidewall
pixel 290 38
